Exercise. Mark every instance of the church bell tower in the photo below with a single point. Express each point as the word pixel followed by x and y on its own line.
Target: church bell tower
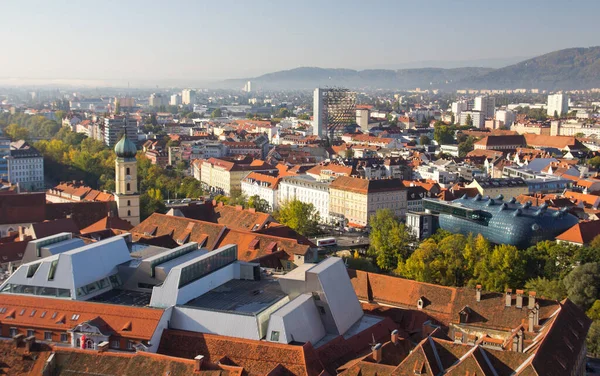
pixel 126 184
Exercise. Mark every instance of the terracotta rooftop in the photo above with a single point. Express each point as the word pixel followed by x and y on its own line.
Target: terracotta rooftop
pixel 582 233
pixel 22 208
pixel 106 223
pixel 35 312
pixel 502 140
pixel 256 357
pixel 364 186
pixel 559 142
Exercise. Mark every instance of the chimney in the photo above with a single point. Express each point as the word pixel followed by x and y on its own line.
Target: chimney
pixel 18 339
pixel 530 320
pixel 531 303
pixel 394 337
pixel 198 359
pixel 478 293
pixel 21 233
pixel 519 299
pixel 536 312
pixel 508 300
pixel 377 353
pixel 29 342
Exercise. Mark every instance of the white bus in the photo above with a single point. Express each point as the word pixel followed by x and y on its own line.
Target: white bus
pixel 326 242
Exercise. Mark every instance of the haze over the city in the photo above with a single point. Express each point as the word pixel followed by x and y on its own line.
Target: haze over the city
pixel 149 42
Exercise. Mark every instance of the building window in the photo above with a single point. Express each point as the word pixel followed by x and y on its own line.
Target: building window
pixel 128 186
pixel 30 332
pixel 115 344
pixel 13 332
pixel 127 173
pixel 128 202
pixel 129 213
pixel 129 345
pixel 275 336
pixel 64 337
pixel 47 336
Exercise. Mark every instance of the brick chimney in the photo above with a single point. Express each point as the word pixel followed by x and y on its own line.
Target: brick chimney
pixel 508 298
pixel 478 293
pixel 519 299
pixel 198 366
pixel 531 303
pixel 394 337
pixel 377 353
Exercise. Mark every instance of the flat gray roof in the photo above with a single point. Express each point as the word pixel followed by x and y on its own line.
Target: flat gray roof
pixel 241 296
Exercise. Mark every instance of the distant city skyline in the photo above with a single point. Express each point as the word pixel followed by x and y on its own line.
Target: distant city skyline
pixel 149 42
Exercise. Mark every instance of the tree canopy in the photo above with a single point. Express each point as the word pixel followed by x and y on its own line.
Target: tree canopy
pixel 391 241
pixel 299 216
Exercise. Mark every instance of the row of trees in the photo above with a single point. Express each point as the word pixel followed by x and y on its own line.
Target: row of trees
pixel 24 127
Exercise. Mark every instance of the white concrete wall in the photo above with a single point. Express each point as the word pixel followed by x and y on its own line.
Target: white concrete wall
pixel 298 321
pixel 215 322
pixel 162 325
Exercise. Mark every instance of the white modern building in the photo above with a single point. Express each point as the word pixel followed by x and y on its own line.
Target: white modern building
pixel 175 100
pixel 333 111
pixel 486 105
pixel 308 190
pixel 458 107
pixel 188 96
pixel 507 117
pixel 558 103
pixel 476 117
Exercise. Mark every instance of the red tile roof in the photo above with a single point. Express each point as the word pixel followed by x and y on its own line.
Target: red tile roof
pixel 582 233
pixel 256 357
pixel 106 223
pixel 22 208
pixel 143 320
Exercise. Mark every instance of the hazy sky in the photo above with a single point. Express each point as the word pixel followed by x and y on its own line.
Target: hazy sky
pixel 208 40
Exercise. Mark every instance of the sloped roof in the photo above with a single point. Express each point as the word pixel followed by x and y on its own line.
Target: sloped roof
pixel 108 222
pixel 364 186
pixel 53 227
pixel 559 142
pixel 22 208
pixel 256 357
pixel 582 233
pixel 143 320
pixel 502 140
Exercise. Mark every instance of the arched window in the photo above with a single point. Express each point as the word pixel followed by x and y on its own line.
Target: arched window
pixel 128 186
pixel 129 213
pixel 128 202
pixel 127 173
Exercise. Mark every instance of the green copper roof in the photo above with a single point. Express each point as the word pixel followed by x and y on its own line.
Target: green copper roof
pixel 125 148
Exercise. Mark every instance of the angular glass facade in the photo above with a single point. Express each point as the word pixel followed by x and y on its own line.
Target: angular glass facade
pixel 499 221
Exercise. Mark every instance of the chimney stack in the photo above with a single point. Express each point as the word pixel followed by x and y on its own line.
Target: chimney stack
pixel 198 366
pixel 394 337
pixel 21 233
pixel 519 299
pixel 530 320
pixel 478 293
pixel 377 353
pixel 531 303
pixel 536 312
pixel 508 299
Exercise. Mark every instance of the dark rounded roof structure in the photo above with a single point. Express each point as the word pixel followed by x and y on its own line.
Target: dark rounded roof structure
pixel 125 148
pixel 501 221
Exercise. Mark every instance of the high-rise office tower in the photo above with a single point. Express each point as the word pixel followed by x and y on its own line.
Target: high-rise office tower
pixel 188 96
pixel 334 112
pixel 558 103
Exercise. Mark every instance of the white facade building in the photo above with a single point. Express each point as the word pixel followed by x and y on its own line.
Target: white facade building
pixel 486 105
pixel 188 96
pixel 558 103
pixel 175 100
pixel 457 108
pixel 25 166
pixel 476 117
pixel 263 186
pixel 308 190
pixel 507 117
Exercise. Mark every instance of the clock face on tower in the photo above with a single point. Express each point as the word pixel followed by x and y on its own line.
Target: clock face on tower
pixel 128 178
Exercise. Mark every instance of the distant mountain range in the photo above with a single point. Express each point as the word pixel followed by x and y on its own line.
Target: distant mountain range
pixel 573 68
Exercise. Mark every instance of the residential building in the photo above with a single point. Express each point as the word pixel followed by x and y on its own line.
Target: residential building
pixel 508 188
pixel 362 118
pixel 557 103
pixel 188 96
pixel 157 100
pixel 486 106
pixel 308 190
pixel 507 117
pixel 127 194
pixel 477 118
pixel 504 142
pixel 175 100
pixel 458 107
pixel 450 150
pixel 115 126
pixel 225 175
pixel 421 224
pixel 435 173
pixel 580 234
pixel 355 200
pixel 25 166
pixel 262 185
pixel 334 112
pixel 76 192
pixel 4 154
